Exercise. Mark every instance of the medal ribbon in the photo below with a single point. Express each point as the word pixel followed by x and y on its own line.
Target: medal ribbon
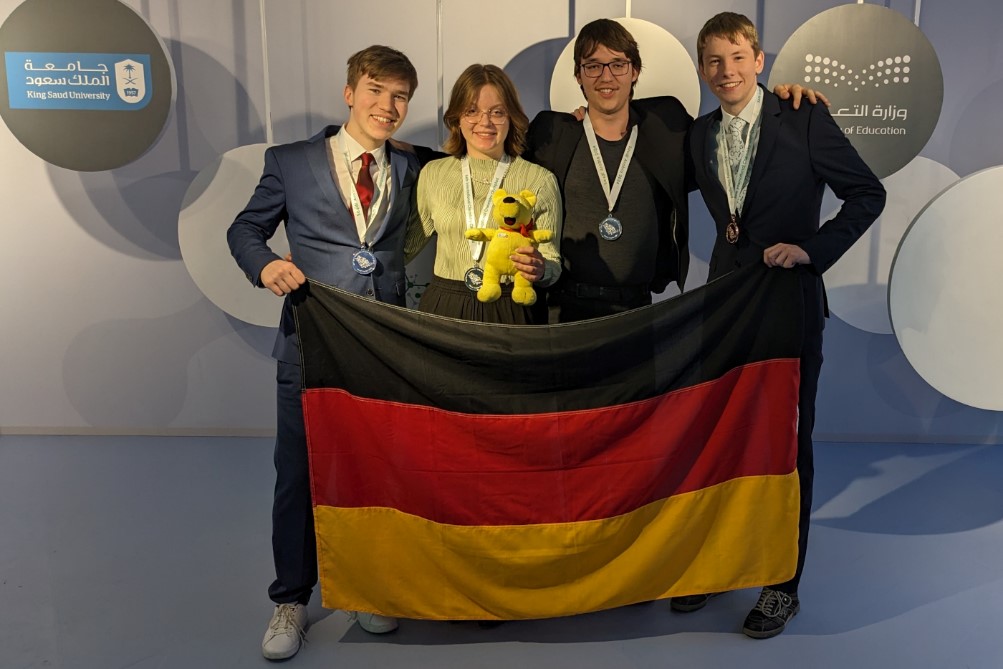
pixel 611 193
pixel 477 248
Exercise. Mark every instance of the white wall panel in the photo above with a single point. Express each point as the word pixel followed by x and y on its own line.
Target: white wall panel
pixel 102 329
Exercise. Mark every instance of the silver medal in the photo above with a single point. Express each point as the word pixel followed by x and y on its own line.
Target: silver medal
pixel 610 229
pixel 363 261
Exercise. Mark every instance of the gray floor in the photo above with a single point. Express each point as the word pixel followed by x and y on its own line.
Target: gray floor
pixel 154 553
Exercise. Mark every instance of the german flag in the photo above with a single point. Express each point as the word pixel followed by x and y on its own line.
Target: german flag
pixel 464 470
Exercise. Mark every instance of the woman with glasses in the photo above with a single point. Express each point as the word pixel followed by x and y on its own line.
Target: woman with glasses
pixel 487 133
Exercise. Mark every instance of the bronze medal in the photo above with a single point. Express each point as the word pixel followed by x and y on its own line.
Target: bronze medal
pixel 731 231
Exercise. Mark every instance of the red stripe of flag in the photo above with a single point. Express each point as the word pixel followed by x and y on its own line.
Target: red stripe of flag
pixel 466 469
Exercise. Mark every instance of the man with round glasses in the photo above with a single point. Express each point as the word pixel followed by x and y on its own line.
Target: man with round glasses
pixel 621 175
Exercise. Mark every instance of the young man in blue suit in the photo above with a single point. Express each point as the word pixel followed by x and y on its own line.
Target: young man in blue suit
pixel 345 227
pixel 762 166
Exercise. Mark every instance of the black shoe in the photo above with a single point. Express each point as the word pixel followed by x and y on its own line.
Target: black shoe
pixel 770 615
pixel 688 603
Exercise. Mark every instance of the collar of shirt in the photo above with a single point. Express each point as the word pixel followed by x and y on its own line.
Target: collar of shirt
pixel 355 150
pixel 749 114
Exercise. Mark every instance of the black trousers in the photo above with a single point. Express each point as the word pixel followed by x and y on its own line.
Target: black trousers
pixel 811 367
pixel 294 546
pixel 570 302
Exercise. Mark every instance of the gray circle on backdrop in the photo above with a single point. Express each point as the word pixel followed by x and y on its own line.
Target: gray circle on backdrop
pixel 87 86
pixel 856 286
pixel 214 198
pixel 880 73
pixel 943 293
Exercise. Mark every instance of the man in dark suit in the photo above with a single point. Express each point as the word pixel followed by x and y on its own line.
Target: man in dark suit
pixel 618 244
pixel 761 167
pixel 345 197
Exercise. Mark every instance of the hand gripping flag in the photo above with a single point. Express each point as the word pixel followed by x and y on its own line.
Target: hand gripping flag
pixel 464 470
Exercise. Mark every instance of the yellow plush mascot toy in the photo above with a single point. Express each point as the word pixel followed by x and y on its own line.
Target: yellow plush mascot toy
pixel 514 216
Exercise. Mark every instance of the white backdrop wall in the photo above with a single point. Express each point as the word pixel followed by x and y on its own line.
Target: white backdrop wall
pixel 103 331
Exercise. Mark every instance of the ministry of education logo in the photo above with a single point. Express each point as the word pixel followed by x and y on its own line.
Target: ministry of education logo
pixel 821 70
pixel 880 73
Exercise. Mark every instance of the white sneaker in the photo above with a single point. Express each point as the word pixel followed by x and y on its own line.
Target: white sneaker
pixel 374 623
pixel 285 632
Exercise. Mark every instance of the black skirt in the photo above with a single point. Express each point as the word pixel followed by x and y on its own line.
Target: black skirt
pixel 453 299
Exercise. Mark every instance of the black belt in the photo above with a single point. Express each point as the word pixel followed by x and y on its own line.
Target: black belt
pixel 623 294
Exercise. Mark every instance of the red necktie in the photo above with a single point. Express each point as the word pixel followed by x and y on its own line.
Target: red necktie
pixel 364 184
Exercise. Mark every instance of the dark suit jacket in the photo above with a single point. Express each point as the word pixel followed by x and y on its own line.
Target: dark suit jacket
pixel 799 152
pixel 297 188
pixel 662 124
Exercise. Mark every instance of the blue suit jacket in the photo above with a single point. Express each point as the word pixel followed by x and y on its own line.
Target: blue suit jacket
pixel 297 188
pixel 800 152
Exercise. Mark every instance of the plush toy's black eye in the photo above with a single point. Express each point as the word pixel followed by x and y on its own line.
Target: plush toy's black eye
pixel 509 200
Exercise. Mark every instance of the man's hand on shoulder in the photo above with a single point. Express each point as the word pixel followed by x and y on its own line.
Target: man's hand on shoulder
pixel 796 91
pixel 282 277
pixel 785 255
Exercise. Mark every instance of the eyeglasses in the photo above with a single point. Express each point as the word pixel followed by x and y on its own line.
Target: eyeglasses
pixel 495 116
pixel 617 68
